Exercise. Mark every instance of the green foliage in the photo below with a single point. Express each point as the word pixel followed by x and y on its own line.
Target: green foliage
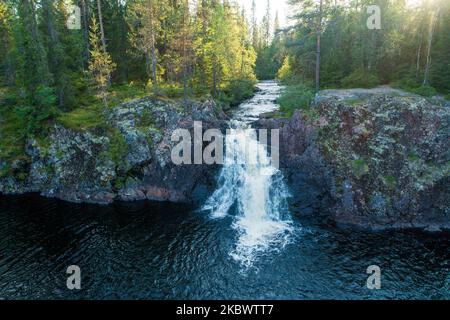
pixel 237 91
pixel 269 61
pixel 426 91
pixel 285 74
pixel 360 79
pixel 13 133
pixel 413 86
pixel 294 98
pixel 390 182
pixel 118 148
pixel 147 120
pixel 412 46
pixel 101 65
pixel 171 91
pixel 45 97
pixel 360 168
pixel 127 92
pixel 83 118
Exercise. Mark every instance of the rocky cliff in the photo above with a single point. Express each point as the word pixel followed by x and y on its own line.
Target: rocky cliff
pixel 129 159
pixel 379 159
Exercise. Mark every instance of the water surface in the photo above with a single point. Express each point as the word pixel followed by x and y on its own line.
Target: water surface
pixel 163 251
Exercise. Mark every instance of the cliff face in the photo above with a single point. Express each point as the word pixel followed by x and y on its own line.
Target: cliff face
pixel 127 160
pixel 381 161
pixel 377 159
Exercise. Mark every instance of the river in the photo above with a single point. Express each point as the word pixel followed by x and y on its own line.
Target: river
pixel 245 243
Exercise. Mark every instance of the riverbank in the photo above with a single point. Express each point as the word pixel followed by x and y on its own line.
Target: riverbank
pixel 373 159
pixel 127 158
pixel 377 158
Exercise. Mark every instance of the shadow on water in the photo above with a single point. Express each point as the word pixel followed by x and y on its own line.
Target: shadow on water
pixel 150 250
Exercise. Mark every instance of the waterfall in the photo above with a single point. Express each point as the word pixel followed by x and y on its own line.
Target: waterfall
pixel 252 189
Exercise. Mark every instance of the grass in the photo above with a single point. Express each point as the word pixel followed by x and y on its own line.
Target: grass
pixel 83 118
pixel 126 93
pixel 12 134
pixel 91 116
pixel 354 101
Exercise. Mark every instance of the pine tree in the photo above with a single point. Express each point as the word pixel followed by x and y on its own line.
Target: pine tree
pixel 52 24
pixel 100 65
pixel 144 29
pixel 267 25
pixel 33 72
pixel 6 66
pixel 255 28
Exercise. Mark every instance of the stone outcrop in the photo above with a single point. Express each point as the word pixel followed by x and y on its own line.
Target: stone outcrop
pixel 378 160
pixel 130 159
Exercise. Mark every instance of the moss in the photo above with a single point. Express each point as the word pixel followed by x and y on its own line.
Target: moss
pixel 44 145
pixel 390 182
pixel 413 157
pixel 354 101
pixel 118 148
pixel 13 133
pixel 59 154
pixel 360 168
pixel 119 183
pixel 83 118
pixel 5 171
pixel 126 92
pixel 147 120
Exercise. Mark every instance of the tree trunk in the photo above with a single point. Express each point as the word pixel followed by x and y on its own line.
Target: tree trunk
pixel 434 19
pixel 100 21
pixel 319 32
pixel 154 65
pixel 419 53
pixel 85 12
pixel 152 42
pixel 214 79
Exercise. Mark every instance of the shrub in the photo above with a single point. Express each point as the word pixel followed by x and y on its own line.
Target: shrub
pixel 45 97
pixel 118 148
pixel 295 97
pixel 426 91
pixel 237 91
pixel 360 79
pixel 285 74
pixel 412 85
pixel 360 168
pixel 171 91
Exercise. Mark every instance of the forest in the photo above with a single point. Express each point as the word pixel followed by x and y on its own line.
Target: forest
pixel 181 49
pixel 330 46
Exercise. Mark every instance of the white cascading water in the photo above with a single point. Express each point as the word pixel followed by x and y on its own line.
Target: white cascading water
pixel 253 188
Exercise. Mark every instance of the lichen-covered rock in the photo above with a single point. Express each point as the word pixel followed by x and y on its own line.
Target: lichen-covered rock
pixel 384 158
pixel 129 159
pixel 391 160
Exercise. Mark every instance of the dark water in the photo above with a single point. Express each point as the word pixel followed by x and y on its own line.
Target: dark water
pixel 160 251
